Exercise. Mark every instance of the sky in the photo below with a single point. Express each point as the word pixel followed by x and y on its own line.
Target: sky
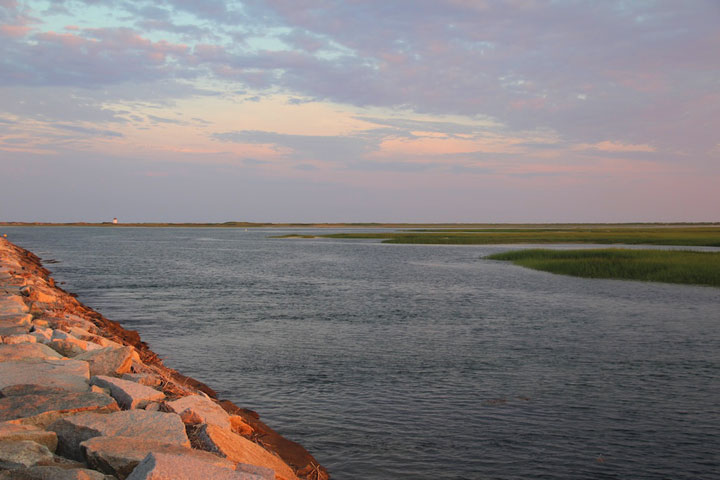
pixel 360 110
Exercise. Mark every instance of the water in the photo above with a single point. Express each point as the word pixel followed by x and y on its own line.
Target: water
pixel 418 362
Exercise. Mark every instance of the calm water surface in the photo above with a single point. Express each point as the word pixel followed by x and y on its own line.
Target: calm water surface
pixel 418 362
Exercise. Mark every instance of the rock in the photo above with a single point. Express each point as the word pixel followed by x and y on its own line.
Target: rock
pixel 120 455
pixel 41 334
pixel 128 394
pixel 22 338
pixel 23 351
pixel 44 409
pixel 239 449
pixel 151 426
pixel 53 473
pixel 195 409
pixel 12 305
pixel 67 374
pixel 160 466
pixel 91 337
pixel 108 360
pixel 71 346
pixel 6 331
pixel 23 453
pixel 30 389
pixel 12 432
pixel 240 426
pixel 143 379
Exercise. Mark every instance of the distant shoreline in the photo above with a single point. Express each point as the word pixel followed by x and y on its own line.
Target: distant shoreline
pixel 354 225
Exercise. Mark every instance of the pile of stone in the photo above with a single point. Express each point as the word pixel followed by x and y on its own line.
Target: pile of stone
pixel 82 398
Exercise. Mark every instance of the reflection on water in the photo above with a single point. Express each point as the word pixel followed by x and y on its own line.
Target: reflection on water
pixel 418 362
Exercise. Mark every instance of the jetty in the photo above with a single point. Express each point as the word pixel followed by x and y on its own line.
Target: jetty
pixel 82 398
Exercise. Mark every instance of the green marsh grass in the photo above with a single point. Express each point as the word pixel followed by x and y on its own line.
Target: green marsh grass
pixel 668 266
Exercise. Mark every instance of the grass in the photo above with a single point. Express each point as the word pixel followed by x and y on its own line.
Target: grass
pixel 668 266
pixel 677 235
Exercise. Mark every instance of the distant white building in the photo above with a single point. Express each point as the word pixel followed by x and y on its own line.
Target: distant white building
pixel 115 220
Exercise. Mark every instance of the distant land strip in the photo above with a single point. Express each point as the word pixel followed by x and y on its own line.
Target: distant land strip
pixel 434 226
pixel 671 235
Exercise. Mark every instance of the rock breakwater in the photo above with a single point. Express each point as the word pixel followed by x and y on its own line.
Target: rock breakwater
pixel 83 398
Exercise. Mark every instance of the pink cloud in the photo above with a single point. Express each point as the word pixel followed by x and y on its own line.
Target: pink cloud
pixel 15 31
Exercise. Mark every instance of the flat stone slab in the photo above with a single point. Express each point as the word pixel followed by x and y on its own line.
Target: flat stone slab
pixel 23 453
pixel 150 426
pixel 120 455
pixel 195 409
pixel 108 360
pixel 160 466
pixel 67 374
pixel 128 394
pixel 43 409
pixel 12 305
pixel 14 433
pixel 22 352
pixel 239 449
pixel 53 473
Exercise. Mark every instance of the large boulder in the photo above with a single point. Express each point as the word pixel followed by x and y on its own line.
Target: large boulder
pixel 128 394
pixel 239 449
pixel 162 466
pixel 108 360
pixel 67 374
pixel 195 409
pixel 43 409
pixel 120 455
pixel 151 426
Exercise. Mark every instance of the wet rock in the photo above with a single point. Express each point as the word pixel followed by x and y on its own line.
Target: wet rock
pixel 44 409
pixel 23 351
pixel 23 453
pixel 128 394
pixel 195 409
pixel 120 455
pixel 53 473
pixel 13 433
pixel 160 466
pixel 67 374
pixel 151 426
pixel 108 360
pixel 239 449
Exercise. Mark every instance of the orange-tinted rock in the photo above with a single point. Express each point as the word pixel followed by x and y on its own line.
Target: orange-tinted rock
pixel 157 426
pixel 14 433
pixel 120 455
pixel 43 409
pixel 195 409
pixel 25 351
pixel 240 449
pixel 53 473
pixel 67 374
pixel 162 466
pixel 128 394
pixel 108 360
